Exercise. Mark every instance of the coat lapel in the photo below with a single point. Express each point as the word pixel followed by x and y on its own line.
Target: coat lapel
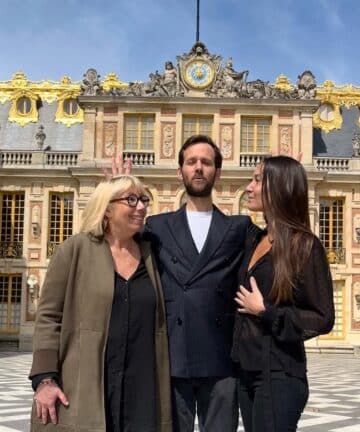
pixel 219 227
pixel 180 232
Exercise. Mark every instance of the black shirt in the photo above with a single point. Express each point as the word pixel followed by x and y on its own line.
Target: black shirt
pixel 130 356
pixel 274 339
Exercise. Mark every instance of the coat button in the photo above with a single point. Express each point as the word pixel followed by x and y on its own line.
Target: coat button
pixel 174 260
pixel 179 321
pixel 218 322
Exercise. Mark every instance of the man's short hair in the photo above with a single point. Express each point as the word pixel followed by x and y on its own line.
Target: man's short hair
pixel 200 139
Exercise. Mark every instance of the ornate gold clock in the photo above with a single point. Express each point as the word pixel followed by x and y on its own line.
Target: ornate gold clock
pixel 199 74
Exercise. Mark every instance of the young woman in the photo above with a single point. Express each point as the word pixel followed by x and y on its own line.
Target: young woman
pixel 285 296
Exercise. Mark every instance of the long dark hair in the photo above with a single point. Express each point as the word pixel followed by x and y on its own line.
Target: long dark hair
pixel 286 209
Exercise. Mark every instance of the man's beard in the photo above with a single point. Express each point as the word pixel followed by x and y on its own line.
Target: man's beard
pixel 202 191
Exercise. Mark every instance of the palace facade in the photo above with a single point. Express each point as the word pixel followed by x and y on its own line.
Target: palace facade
pixel 56 136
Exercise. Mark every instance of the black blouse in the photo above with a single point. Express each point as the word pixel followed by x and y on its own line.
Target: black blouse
pixel 130 356
pixel 274 339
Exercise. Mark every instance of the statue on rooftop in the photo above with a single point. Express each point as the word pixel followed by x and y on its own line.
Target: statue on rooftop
pixel 91 85
pixel 233 80
pixel 306 85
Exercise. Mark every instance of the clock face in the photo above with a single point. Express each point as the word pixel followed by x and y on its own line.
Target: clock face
pixel 199 74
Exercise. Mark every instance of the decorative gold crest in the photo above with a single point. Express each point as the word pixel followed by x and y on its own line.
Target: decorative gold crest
pixel 328 116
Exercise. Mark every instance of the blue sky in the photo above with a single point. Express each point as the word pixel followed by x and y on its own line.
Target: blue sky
pixel 48 39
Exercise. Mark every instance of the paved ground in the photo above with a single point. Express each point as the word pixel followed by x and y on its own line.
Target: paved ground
pixel 334 404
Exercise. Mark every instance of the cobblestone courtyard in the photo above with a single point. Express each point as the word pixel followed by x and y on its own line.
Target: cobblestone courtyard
pixel 334 404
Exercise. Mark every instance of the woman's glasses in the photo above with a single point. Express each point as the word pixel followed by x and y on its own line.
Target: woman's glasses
pixel 132 200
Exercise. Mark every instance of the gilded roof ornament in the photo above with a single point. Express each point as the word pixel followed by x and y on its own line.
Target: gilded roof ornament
pixel 47 91
pixel 19 80
pixel 335 96
pixel 283 83
pixel 65 80
pixel 112 81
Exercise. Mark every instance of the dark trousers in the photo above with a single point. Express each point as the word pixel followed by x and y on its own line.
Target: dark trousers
pixel 287 399
pixel 212 399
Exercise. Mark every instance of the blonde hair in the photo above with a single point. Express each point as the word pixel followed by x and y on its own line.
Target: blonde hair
pixel 94 212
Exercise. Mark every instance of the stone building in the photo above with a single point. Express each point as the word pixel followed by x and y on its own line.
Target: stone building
pixel 56 136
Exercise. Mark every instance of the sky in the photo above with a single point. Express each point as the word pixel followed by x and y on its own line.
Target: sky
pixel 48 39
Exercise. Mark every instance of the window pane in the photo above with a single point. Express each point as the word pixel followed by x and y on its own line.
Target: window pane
pixel 70 106
pixel 197 125
pixel 12 223
pixel 10 303
pixel 332 228
pixel 147 133
pixel 255 135
pixel 23 105
pixel 139 132
pixel 60 218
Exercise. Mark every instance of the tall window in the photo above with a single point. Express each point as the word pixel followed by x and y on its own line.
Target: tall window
pixel 10 303
pixel 338 331
pixel 139 132
pixel 12 224
pixel 195 125
pixel 61 219
pixel 332 228
pixel 255 135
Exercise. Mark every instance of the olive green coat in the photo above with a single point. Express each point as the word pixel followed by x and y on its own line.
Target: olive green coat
pixel 71 331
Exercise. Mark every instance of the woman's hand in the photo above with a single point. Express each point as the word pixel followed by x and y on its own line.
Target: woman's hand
pixel 118 167
pixel 46 396
pixel 250 302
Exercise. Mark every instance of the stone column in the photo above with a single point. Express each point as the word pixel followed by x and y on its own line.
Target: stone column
pixel 306 139
pixel 89 138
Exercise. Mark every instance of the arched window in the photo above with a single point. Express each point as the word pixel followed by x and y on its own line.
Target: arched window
pixel 23 105
pixel 326 112
pixel 70 106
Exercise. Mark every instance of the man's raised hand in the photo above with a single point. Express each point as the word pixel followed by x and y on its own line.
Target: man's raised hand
pixel 118 167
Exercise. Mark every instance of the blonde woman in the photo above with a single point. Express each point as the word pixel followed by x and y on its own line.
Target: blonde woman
pixel 100 344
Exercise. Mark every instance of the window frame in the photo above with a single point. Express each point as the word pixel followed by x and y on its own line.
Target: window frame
pixel 56 234
pixel 9 313
pixel 12 229
pixel 255 132
pixel 139 132
pixel 197 117
pixel 336 254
